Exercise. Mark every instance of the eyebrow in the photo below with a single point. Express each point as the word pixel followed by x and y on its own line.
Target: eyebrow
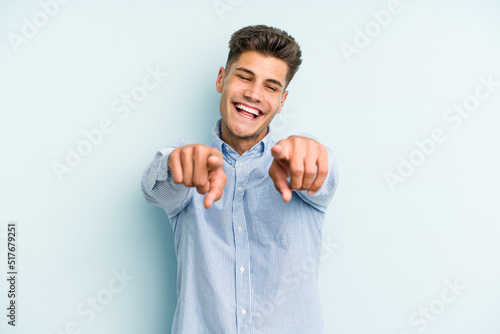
pixel 250 72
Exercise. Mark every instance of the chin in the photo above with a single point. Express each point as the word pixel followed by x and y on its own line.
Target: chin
pixel 245 131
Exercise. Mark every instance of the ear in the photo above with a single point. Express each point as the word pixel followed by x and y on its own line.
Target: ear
pixel 283 99
pixel 219 84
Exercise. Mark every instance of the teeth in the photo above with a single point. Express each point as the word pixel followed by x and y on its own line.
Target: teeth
pixel 250 110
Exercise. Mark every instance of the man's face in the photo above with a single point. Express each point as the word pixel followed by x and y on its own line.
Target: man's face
pixel 252 90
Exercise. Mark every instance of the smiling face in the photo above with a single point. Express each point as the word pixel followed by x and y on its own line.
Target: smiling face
pixel 253 93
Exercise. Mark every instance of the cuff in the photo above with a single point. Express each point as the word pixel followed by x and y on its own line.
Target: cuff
pixel 159 168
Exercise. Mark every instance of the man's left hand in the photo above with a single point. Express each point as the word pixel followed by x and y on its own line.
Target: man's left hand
pixel 303 160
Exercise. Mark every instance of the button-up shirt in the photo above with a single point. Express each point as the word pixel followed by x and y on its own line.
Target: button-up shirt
pixel 249 264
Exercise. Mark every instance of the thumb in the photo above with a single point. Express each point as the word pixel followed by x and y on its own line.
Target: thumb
pixel 214 161
pixel 279 152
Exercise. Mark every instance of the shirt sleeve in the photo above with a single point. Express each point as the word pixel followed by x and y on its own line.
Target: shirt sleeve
pixel 158 187
pixel 323 196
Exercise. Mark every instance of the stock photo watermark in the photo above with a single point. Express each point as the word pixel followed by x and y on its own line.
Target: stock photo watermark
pixel 371 30
pixel 453 117
pixel 328 247
pixel 122 107
pixel 49 9
pixel 430 312
pixel 223 6
pixel 283 119
pixel 12 274
pixel 294 277
pixel 87 310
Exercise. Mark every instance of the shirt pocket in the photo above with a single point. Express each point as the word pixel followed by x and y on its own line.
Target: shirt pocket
pixel 271 218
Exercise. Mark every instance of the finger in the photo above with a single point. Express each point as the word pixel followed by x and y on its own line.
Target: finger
pixel 200 170
pixel 217 180
pixel 280 151
pixel 322 171
pixel 297 166
pixel 278 175
pixel 175 165
pixel 214 160
pixel 187 166
pixel 310 169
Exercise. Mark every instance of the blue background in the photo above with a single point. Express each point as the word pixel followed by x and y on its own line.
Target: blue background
pixel 388 253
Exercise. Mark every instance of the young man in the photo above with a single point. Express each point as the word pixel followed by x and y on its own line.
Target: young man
pixel 247 212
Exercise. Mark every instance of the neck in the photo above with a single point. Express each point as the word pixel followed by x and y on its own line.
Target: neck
pixel 240 145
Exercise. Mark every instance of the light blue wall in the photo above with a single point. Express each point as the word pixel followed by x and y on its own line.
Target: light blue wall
pixel 389 253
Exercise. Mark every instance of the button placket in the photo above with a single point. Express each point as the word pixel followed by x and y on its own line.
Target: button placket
pixel 241 247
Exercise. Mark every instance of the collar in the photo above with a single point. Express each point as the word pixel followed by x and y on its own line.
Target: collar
pixel 230 155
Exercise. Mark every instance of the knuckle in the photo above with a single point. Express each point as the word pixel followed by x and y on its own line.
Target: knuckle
pixel 310 173
pixel 199 180
pixel 185 153
pixel 322 171
pixel 173 157
pixel 175 153
pixel 297 169
pixel 198 151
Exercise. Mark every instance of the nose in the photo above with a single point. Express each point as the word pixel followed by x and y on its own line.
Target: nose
pixel 253 93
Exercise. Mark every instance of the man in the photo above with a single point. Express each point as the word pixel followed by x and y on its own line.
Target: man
pixel 248 239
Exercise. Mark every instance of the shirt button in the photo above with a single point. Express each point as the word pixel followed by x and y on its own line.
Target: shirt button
pixel 243 311
pixel 241 164
pixel 239 188
pixel 242 269
pixel 164 172
pixel 240 228
pixel 154 180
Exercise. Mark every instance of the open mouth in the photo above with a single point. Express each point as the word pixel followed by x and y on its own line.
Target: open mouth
pixel 247 112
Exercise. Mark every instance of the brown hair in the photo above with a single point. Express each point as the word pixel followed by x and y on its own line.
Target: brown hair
pixel 269 41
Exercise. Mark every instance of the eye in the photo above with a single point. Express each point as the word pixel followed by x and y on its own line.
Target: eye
pixel 244 78
pixel 274 89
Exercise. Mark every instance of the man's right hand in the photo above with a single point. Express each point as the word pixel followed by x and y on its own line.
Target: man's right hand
pixel 199 166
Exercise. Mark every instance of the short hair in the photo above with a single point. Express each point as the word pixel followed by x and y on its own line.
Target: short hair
pixel 269 41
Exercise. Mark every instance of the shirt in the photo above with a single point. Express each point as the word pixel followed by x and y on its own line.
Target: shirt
pixel 249 264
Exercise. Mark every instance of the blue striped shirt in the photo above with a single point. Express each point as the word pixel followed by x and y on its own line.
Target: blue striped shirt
pixel 249 264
